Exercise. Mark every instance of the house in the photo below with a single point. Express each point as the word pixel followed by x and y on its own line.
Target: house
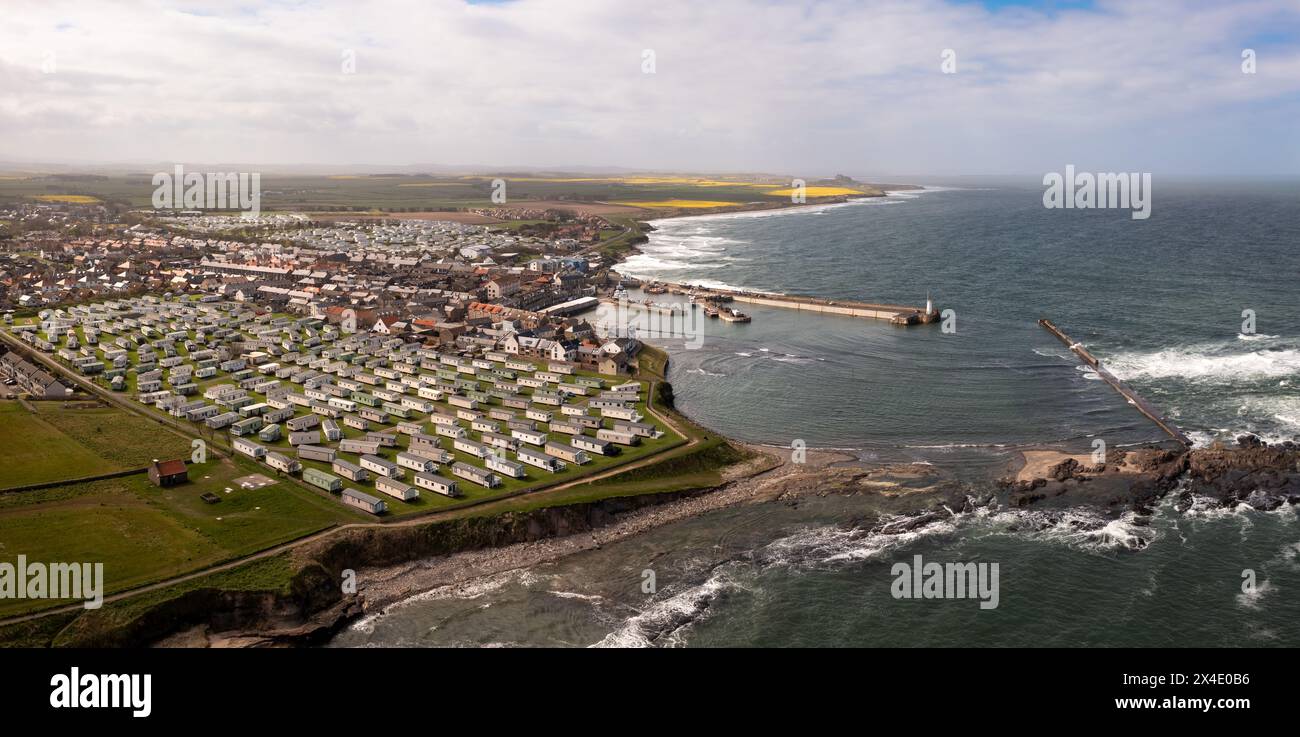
pixel 612 365
pixel 168 473
pixel 477 475
pixel 436 483
pixel 395 488
pixel 361 500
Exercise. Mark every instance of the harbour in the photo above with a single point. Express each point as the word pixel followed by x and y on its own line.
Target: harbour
pixel 715 300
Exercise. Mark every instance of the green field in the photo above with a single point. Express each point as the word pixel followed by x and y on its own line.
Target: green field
pixel 55 441
pixel 125 439
pixel 142 533
pixel 409 192
pixel 37 451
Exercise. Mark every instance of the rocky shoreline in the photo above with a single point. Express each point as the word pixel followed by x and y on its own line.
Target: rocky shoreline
pixel 908 499
pixel 1047 486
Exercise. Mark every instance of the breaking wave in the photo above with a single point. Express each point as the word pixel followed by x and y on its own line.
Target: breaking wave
pixel 1223 363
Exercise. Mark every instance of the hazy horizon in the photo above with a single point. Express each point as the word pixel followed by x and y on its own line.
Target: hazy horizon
pixel 897 88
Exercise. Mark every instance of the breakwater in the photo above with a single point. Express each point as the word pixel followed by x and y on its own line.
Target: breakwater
pixel 896 314
pixel 1124 390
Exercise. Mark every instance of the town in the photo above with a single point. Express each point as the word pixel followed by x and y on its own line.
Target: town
pixel 372 359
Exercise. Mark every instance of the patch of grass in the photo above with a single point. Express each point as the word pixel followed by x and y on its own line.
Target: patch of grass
pixel 272 574
pixel 38 632
pixel 35 451
pixel 125 439
pixel 142 534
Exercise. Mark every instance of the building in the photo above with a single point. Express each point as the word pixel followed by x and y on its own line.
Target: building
pixel 283 463
pixel 436 483
pixel 474 474
pixel 395 488
pixel 361 500
pixel 30 378
pixel 168 473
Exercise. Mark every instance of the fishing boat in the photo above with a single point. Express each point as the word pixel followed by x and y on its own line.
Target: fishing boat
pixel 670 308
pixel 730 315
pixel 710 309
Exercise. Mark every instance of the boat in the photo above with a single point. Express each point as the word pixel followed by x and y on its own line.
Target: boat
pixel 730 315
pixel 670 308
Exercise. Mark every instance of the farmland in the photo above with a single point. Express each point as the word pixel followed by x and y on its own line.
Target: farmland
pixel 46 441
pixel 409 193
pixel 142 533
pixel 36 451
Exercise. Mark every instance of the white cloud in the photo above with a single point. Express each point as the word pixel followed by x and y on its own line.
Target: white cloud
pixel 838 85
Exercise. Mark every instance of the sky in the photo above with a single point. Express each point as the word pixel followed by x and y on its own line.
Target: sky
pixel 936 87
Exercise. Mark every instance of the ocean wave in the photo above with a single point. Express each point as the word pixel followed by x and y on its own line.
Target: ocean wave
pixel 1078 527
pixel 674 223
pixel 1206 362
pixel 1251 599
pixel 703 372
pixel 664 622
pixel 639 264
pixel 576 595
pixel 1051 354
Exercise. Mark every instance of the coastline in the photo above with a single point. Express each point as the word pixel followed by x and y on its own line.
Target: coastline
pixel 1046 488
pixel 1040 476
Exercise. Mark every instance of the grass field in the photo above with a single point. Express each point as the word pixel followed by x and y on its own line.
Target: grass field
pixel 670 204
pixel 127 440
pixel 36 451
pixel 418 192
pixel 55 443
pixel 142 533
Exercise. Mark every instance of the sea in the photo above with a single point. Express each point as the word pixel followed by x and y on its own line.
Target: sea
pixel 1195 307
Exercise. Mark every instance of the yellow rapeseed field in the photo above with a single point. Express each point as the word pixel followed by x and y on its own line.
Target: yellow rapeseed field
pixel 815 192
pixel 678 203
pixel 69 199
pixel 688 181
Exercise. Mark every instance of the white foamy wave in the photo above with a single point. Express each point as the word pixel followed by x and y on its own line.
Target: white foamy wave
pixel 1255 337
pixel 576 595
pixel 837 545
pixel 665 622
pixel 639 264
pixel 1080 527
pixel 671 224
pixel 1217 363
pixel 703 372
pixel 1251 599
pixel 1203 507
pixel 472 589
pixel 1050 354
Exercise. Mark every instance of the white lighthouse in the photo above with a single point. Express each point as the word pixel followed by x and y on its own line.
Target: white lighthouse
pixel 929 305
